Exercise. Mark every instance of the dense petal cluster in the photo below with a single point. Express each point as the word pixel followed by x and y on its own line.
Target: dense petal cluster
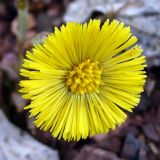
pixel 82 78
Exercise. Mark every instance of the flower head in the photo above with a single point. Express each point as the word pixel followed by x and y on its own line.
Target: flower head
pixel 82 78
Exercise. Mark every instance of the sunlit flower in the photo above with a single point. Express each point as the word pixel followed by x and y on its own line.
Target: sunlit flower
pixel 82 78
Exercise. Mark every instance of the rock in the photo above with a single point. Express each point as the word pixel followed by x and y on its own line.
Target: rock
pixel 137 121
pixel 144 103
pixel 72 14
pixel 148 36
pixel 2 10
pixel 1 79
pixel 123 8
pixel 18 101
pixel 7 43
pixel 47 22
pixel 154 148
pixel 100 138
pixel 142 15
pixel 142 138
pixel 30 124
pixel 64 148
pixel 121 130
pixel 152 157
pixel 150 132
pixel 132 129
pixel 40 37
pixel 30 35
pixel 130 148
pixel 4 28
pixel 7 10
pixel 37 6
pixel 70 154
pixel 108 142
pixel 140 24
pixel 91 153
pixel 28 43
pixel 54 10
pixel 16 144
pixel 9 65
pixel 113 144
pixel 142 155
pixel 155 96
pixel 149 87
pixel 44 137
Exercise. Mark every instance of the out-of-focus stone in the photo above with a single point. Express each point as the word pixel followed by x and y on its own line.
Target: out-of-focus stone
pixel 47 22
pixel 19 145
pixel 144 103
pixel 9 64
pixel 18 101
pixel 142 138
pixel 100 138
pixel 36 6
pixel 7 43
pixel 130 148
pixel 91 153
pixel 7 11
pixel 137 120
pixel 30 35
pixel 120 131
pixel 1 88
pixel 154 148
pixel 44 137
pixel 39 38
pixel 150 84
pixel 148 36
pixel 113 144
pixel 4 28
pixel 132 129
pixel 2 10
pixel 142 155
pixel 150 132
pixel 122 8
pixel 108 142
pixel 141 24
pixel 28 43
pixel 155 96
pixel 71 154
pixel 142 15
pixel 10 59
pixel 54 10
pixel 30 125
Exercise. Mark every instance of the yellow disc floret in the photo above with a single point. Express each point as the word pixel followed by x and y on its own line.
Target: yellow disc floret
pixel 85 77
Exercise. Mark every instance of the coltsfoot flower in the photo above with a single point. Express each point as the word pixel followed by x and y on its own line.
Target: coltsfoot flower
pixel 82 78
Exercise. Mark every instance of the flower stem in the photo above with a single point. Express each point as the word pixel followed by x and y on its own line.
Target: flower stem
pixel 22 22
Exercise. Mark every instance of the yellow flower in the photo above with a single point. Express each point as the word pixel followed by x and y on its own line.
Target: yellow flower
pixel 82 78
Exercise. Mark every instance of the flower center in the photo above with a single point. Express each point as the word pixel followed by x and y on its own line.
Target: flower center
pixel 85 77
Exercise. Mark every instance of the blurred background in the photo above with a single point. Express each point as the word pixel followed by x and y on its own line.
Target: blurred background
pixel 23 23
